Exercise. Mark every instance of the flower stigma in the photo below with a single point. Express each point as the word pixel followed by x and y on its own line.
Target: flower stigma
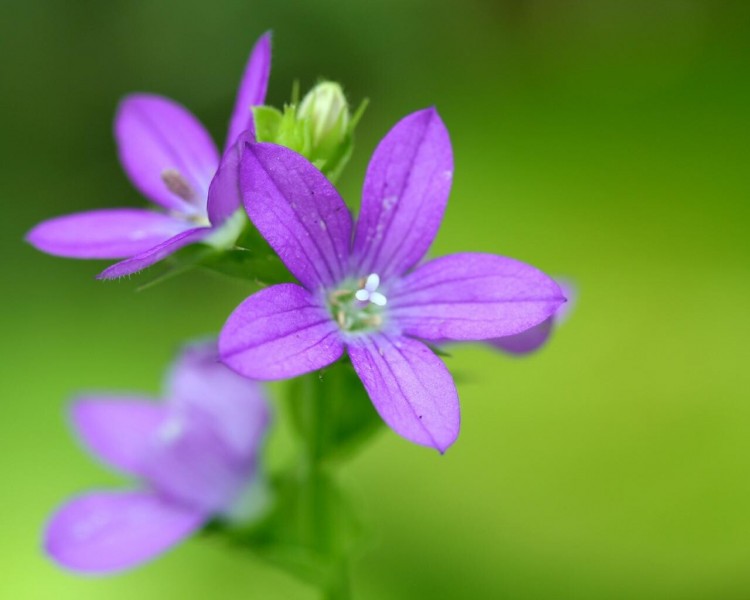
pixel 358 305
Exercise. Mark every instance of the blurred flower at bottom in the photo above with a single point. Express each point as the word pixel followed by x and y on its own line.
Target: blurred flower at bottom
pixel 195 456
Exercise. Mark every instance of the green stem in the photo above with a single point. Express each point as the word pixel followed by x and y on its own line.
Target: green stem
pixel 340 585
pixel 319 506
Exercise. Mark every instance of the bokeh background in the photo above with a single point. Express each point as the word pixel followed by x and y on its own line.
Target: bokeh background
pixel 607 141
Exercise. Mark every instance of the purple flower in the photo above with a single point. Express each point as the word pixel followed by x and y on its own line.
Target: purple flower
pixel 532 339
pixel 360 290
pixel 196 456
pixel 173 161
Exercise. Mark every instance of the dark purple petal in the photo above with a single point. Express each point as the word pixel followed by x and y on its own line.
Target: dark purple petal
pixel 202 386
pixel 105 532
pixel 472 297
pixel 252 90
pixel 527 341
pixel 190 462
pixel 404 196
pixel 118 429
pixel 280 332
pixel 155 254
pixel 113 233
pixel 156 135
pixel 298 211
pixel 410 387
pixel 224 197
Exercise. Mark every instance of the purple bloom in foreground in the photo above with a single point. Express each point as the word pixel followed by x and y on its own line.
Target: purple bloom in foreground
pixel 532 339
pixel 173 161
pixel 196 456
pixel 360 290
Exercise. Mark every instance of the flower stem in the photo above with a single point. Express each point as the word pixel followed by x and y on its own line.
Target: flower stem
pixel 321 508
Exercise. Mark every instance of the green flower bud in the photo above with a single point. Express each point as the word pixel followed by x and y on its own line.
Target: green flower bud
pixel 327 112
pixel 320 128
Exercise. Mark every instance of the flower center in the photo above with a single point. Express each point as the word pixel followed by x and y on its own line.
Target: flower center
pixel 358 305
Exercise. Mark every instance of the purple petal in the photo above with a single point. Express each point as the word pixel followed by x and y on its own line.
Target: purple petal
pixel 118 430
pixel 252 90
pixel 404 196
pixel 104 532
pixel 155 254
pixel 190 462
pixel 280 332
pixel 534 338
pixel 112 233
pixel 410 388
pixel 156 135
pixel 472 297
pixel 224 197
pixel 527 341
pixel 298 211
pixel 200 384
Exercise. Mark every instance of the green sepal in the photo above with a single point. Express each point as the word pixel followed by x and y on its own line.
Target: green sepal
pixel 250 258
pixel 283 128
pixel 267 120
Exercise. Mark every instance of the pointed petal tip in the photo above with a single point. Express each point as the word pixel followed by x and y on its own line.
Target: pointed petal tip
pixel 108 274
pixel 266 38
pixel 442 448
pixel 428 113
pixel 32 237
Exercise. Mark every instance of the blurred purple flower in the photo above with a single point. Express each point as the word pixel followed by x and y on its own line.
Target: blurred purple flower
pixel 173 161
pixel 196 456
pixel 532 339
pixel 360 293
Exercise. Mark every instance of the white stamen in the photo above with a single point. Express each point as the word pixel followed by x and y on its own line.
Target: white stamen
pixel 372 282
pixel 378 299
pixel 368 293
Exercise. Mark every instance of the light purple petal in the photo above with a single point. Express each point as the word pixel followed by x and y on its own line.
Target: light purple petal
pixel 111 233
pixel 410 387
pixel 190 462
pixel 201 385
pixel 280 332
pixel 105 532
pixel 527 341
pixel 155 135
pixel 298 211
pixel 118 429
pixel 472 297
pixel 224 197
pixel 532 339
pixel 252 90
pixel 404 196
pixel 155 254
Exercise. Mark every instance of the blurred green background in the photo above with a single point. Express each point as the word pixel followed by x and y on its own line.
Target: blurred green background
pixel 603 140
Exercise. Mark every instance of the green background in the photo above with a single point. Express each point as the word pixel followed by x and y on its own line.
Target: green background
pixel 605 141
